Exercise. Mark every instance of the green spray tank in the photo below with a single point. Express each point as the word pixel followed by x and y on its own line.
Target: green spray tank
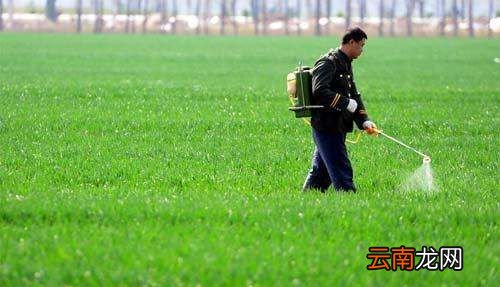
pixel 299 89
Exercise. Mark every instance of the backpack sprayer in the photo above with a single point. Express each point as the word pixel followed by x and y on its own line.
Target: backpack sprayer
pixel 299 89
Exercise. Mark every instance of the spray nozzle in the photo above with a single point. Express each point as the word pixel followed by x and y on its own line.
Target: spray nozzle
pixel 426 159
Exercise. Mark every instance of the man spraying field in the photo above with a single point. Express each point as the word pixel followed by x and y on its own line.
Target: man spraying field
pixel 333 88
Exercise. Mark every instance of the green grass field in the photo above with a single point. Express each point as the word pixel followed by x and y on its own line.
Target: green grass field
pixel 160 161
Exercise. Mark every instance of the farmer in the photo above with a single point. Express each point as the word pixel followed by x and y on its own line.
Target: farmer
pixel 333 87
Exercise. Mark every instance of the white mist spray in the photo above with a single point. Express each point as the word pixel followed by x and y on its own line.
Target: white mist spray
pixel 421 179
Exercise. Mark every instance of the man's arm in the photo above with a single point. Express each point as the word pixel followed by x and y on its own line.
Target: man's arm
pixel 322 76
pixel 360 115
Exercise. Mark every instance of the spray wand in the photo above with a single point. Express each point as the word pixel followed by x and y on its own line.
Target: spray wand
pixel 426 158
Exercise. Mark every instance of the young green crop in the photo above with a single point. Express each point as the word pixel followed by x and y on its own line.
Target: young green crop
pixel 159 160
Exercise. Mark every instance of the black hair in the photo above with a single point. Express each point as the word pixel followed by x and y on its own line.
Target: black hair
pixel 355 34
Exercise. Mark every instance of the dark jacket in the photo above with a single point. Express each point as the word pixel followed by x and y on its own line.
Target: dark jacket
pixel 333 85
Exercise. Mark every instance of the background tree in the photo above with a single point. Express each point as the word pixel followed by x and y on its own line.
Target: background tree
pixel 299 11
pixel 443 18
pixel 235 13
pixel 265 16
pixel 175 11
pixel 491 11
pixel 347 14
pixel 116 11
pixel 286 18
pixel 133 11
pixel 437 11
pixel 392 17
pixel 98 10
pixel 255 15
pixel 95 6
pixel 462 10
pixel 163 14
pixel 207 17
pixel 50 10
pixel 10 10
pixel 317 16
pixel 454 14
pixel 410 7
pixel 278 8
pixel 328 15
pixel 138 11
pixel 146 16
pixel 101 15
pixel 223 10
pixel 127 11
pixel 1 13
pixel 198 14
pixel 78 16
pixel 309 5
pixel 381 24
pixel 471 18
pixel 421 8
pixel 362 11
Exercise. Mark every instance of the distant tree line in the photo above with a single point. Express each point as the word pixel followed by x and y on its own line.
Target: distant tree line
pixel 261 14
pixel 1 13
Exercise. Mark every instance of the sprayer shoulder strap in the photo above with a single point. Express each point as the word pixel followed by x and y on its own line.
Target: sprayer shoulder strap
pixel 329 58
pixel 332 57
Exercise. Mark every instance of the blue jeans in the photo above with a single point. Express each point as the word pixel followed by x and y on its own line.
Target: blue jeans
pixel 330 163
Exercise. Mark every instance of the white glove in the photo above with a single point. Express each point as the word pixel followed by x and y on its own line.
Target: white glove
pixel 368 125
pixel 352 106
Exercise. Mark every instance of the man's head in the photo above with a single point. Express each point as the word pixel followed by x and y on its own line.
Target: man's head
pixel 353 42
